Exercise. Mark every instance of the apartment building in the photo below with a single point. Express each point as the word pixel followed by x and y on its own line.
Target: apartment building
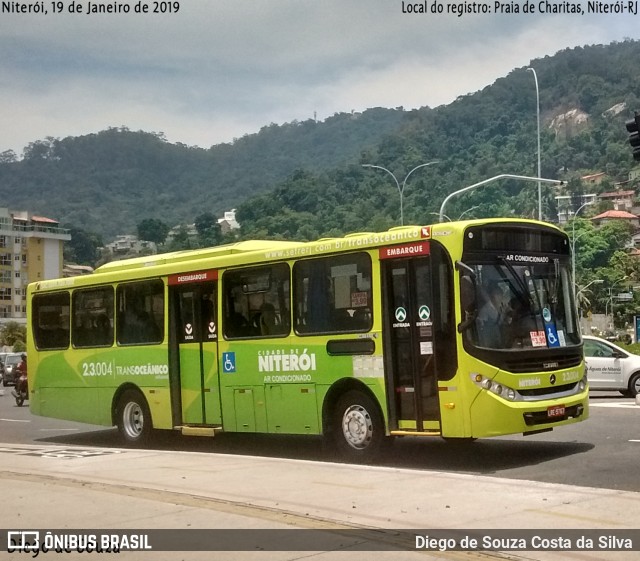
pixel 567 205
pixel 30 250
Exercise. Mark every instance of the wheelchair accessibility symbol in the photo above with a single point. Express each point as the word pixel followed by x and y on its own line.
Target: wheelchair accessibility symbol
pixel 552 336
pixel 228 362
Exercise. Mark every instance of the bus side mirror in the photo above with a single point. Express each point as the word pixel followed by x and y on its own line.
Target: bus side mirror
pixel 468 301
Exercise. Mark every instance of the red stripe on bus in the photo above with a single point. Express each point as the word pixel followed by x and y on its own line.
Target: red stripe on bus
pixel 194 276
pixel 405 250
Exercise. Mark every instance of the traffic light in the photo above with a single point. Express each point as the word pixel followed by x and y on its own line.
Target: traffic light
pixel 633 127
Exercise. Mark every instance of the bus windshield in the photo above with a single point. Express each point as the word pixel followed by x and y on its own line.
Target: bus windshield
pixel 520 305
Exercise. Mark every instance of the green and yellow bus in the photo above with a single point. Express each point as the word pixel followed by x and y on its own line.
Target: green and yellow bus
pixel 456 330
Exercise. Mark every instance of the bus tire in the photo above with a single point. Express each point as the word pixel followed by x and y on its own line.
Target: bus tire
pixel 134 418
pixel 358 429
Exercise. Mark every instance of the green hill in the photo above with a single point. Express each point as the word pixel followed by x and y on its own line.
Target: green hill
pixel 306 180
pixel 586 94
pixel 107 182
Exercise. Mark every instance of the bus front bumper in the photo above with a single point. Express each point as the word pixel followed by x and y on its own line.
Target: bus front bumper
pixel 493 416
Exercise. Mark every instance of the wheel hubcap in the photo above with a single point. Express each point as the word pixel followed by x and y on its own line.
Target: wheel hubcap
pixel 357 427
pixel 133 420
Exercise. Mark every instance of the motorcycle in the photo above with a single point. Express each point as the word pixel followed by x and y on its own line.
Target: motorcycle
pixel 21 390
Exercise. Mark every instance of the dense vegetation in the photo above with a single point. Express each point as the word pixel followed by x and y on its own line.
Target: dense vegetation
pixel 107 182
pixel 305 180
pixel 476 137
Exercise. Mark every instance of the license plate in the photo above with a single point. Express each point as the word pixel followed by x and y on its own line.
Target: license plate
pixel 555 411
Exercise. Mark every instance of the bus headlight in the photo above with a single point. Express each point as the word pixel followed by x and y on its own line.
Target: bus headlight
pixel 582 384
pixel 501 390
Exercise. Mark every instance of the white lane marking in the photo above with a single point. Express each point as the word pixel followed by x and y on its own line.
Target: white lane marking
pixel 614 405
pixel 16 420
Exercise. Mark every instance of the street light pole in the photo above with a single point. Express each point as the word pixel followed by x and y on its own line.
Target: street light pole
pixel 611 298
pixel 573 247
pixel 596 281
pixel 501 176
pixel 535 77
pixel 400 188
pixel 468 210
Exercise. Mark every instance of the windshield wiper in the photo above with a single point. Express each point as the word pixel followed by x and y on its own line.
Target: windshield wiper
pixel 522 291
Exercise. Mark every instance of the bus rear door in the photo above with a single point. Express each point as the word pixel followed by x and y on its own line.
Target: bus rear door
pixel 195 378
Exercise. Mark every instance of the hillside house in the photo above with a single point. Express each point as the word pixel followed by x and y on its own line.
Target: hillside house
pixel 621 200
pixel 610 215
pixel 228 222
pixel 594 178
pixel 127 243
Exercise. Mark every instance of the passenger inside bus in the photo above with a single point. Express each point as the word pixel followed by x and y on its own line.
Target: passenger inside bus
pixel 102 330
pixel 137 325
pixel 520 324
pixel 82 334
pixel 267 320
pixel 237 325
pixel 491 317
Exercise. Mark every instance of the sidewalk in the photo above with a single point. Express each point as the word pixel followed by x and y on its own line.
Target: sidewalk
pixel 56 487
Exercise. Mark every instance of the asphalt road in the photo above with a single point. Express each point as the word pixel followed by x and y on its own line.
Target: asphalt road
pixel 602 452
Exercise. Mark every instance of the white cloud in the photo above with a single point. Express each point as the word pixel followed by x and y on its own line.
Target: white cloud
pixel 218 70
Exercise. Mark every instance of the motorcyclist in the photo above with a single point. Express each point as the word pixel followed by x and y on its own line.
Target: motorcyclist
pixel 21 379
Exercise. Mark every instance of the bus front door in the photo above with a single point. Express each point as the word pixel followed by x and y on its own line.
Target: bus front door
pixel 409 345
pixel 196 345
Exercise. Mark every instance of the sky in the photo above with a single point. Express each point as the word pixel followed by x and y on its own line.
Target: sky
pixel 210 71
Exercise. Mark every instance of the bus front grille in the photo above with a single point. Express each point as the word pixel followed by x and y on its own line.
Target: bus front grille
pixel 549 391
pixel 531 363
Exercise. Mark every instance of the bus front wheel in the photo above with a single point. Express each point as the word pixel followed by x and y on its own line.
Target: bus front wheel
pixel 134 419
pixel 358 429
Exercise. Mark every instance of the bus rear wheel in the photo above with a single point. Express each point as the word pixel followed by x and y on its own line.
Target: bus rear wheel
pixel 134 419
pixel 358 430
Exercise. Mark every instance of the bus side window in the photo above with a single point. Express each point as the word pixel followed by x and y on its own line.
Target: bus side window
pixel 140 312
pixel 50 321
pixel 92 310
pixel 333 294
pixel 257 302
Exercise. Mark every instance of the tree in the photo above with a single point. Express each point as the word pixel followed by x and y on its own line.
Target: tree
pixel 13 334
pixel 205 222
pixel 19 346
pixel 82 248
pixel 209 231
pixel 153 230
pixel 8 157
pixel 181 240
